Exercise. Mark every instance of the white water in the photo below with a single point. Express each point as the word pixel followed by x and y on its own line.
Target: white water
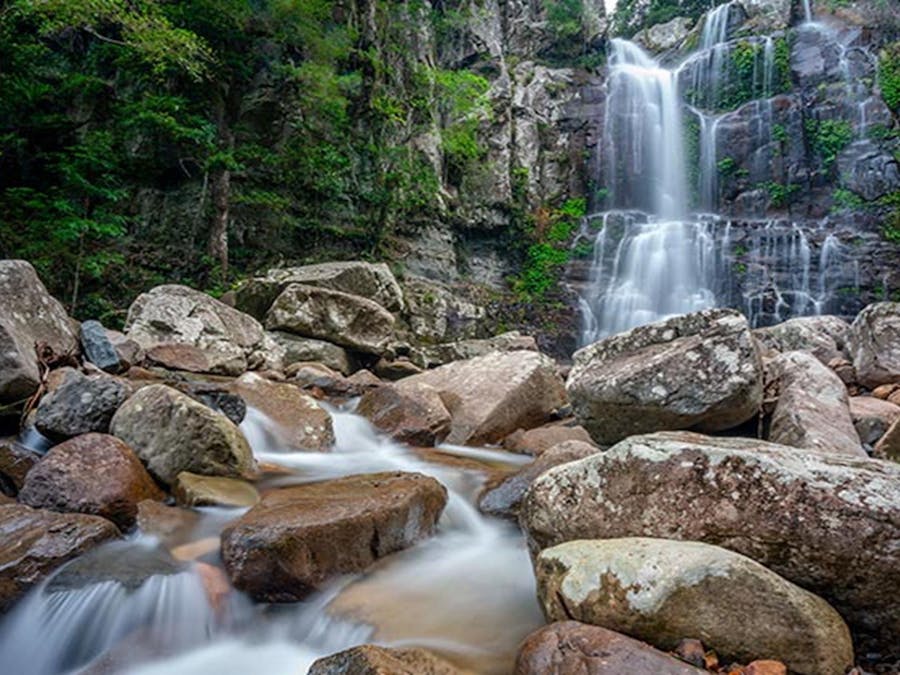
pixel 467 593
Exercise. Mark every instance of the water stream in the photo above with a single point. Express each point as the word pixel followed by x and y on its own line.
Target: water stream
pixel 467 593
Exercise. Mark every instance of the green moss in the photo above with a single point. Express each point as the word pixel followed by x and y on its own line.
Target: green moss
pixel 828 138
pixel 845 199
pixel 889 75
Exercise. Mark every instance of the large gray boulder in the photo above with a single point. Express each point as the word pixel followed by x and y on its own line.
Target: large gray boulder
pixel 79 405
pixel 430 356
pixel 660 591
pixel 373 281
pixel 171 433
pixel 696 371
pixel 29 316
pixel 436 314
pixel 747 496
pixel 491 396
pixel 307 350
pixel 872 417
pixel 825 337
pixel 198 333
pixel 343 319
pixel 874 344
pixel 813 409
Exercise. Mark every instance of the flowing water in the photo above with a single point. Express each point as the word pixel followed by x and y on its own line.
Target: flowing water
pixel 467 593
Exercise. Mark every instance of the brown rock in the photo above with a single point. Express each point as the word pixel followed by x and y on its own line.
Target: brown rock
pixel 885 391
pixel 172 525
pixel 503 495
pixel 94 474
pixel 297 538
pixel 415 414
pixel 572 648
pixel 888 446
pixel 872 417
pixel 174 356
pixel 691 651
pixel 536 441
pixel 874 344
pixel 766 668
pixel 15 462
pixel 373 660
pixel 34 542
pixel 396 369
pixel 301 421
pixel 215 583
pixel 845 371
pixel 191 489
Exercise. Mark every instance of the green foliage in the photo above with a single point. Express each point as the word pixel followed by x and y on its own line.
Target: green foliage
pixel 779 133
pixel 889 75
pixel 726 166
pixel 549 251
pixel 779 194
pixel 843 199
pixel 828 138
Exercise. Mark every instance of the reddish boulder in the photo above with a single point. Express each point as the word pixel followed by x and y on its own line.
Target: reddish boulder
pixel 15 462
pixel 536 441
pixel 373 660
pixel 414 415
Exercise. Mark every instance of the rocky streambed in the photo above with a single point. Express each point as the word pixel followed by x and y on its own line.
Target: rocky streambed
pixel 333 471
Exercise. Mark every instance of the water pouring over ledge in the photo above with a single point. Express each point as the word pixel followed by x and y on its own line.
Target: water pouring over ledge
pixel 467 593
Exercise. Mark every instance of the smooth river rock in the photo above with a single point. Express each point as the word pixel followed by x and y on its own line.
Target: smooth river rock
pixel 94 474
pixel 191 489
pixel 415 414
pixel 79 405
pixel 829 523
pixel 573 648
pixel 34 542
pixel 874 344
pixel 813 409
pixel 375 660
pixel 297 538
pixel 171 433
pixel 699 371
pixel 29 316
pixel 662 591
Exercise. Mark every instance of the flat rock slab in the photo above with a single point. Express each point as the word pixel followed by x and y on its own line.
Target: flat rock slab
pixel 297 538
pixel 34 542
pixel 660 591
pixel 573 648
pixel 374 660
pixel 747 496
pixel 191 490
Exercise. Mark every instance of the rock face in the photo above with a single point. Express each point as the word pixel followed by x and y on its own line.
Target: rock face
pixel 698 371
pixel 348 320
pixel 746 496
pixel 299 349
pixel 825 337
pixel 225 341
pixel 573 648
pixel 296 538
pixel 34 542
pixel 661 37
pixel 172 432
pixel 491 396
pixel 80 405
pixel 99 349
pixel 302 422
pixel 659 591
pixel 872 417
pixel 436 314
pixel 375 282
pixel 414 415
pixel 29 315
pixel 874 344
pixel 503 496
pixel 93 474
pixel 373 660
pixel 813 409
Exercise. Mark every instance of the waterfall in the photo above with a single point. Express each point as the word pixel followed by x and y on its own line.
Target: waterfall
pixel 807 11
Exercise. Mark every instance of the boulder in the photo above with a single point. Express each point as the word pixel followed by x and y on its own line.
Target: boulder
pixel 172 525
pixel 502 495
pixel 80 405
pixel 299 349
pixel 872 417
pixel 888 446
pixel 29 316
pixel 491 396
pixel 414 415
pixel 34 542
pixel 396 369
pixel 129 351
pixel 94 474
pixel 343 319
pixel 825 337
pixel 99 349
pixel 172 432
pixel 431 356
pixel 297 538
pixel 813 409
pixel 698 371
pixel 191 489
pixel 374 282
pixel 537 441
pixel 435 313
pixel 128 563
pixel 659 591
pixel 662 37
pixel 874 344
pixel 744 495
pixel 374 660
pixel 15 462
pixel 301 422
pixel 767 16
pixel 322 381
pixel 214 337
pixel 573 648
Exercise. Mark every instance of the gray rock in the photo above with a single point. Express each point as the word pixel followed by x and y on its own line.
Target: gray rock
pixel 747 496
pixel 99 349
pixel 664 36
pixel 127 563
pixel 438 355
pixel 874 344
pixel 825 337
pixel 374 282
pixel 81 404
pixel 660 591
pixel 698 370
pixel 348 320
pixel 767 16
pixel 172 432
pixel 186 323
pixel 868 171
pixel 435 313
pixel 872 417
pixel 813 409
pixel 29 316
pixel 300 349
